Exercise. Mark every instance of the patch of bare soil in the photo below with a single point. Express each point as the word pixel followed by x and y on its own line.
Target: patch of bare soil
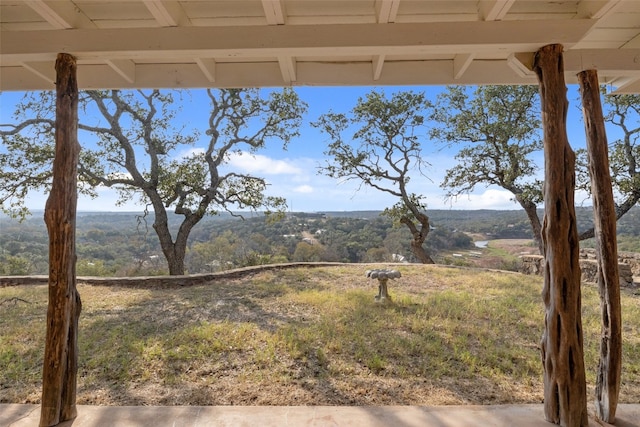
pixel 502 254
pixel 516 246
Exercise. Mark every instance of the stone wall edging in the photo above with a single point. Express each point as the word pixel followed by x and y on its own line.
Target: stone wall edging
pixel 629 266
pixel 159 282
pixel 162 281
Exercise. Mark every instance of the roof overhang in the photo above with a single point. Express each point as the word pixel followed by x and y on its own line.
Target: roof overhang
pixel 242 43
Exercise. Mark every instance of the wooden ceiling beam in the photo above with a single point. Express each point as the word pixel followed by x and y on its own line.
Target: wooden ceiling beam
pixel 606 61
pixel 208 68
pixel 521 63
pixel 124 67
pixel 167 14
pixel 288 69
pixel 49 14
pixel 625 85
pixel 461 63
pixel 386 11
pixel 634 43
pixel 290 40
pixel 494 10
pixel 274 12
pixel 377 63
pixel 597 9
pixel 269 74
pixel 44 70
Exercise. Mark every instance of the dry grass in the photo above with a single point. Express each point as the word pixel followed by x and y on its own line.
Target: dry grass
pixel 307 337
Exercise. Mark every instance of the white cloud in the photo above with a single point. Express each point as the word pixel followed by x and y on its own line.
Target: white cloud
pixel 489 199
pixel 303 189
pixel 297 181
pixel 190 152
pixel 259 164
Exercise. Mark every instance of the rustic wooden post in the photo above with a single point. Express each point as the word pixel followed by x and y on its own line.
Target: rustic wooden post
pixel 604 218
pixel 565 400
pixel 61 351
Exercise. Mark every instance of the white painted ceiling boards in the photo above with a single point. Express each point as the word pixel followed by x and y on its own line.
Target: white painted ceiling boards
pixel 240 43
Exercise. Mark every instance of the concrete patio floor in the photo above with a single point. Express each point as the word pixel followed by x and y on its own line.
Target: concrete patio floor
pixel 16 415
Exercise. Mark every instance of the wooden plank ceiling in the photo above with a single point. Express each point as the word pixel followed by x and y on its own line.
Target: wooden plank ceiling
pixel 241 43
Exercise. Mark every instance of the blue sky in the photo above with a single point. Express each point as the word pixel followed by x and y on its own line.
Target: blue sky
pixel 293 173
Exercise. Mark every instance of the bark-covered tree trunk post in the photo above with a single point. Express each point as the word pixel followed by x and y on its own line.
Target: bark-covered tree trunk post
pixel 565 400
pixel 604 216
pixel 61 351
pixel 419 236
pixel 531 209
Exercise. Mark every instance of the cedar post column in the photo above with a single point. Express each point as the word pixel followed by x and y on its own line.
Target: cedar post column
pixel 61 351
pixel 565 400
pixel 604 218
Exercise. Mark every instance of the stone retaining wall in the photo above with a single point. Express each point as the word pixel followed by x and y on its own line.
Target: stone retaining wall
pixel 629 266
pixel 630 258
pixel 158 282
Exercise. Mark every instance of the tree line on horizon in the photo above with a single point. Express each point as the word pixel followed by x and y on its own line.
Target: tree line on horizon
pixel 119 245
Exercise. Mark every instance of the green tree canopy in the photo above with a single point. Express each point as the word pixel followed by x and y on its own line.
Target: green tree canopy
pixel 623 113
pixel 498 128
pixel 137 151
pixel 382 149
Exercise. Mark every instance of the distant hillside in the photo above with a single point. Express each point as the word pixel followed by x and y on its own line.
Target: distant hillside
pixel 125 244
pixel 503 223
pixel 493 222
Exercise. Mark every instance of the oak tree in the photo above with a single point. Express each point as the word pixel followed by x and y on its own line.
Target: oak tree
pixel 136 149
pixel 498 128
pixel 382 149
